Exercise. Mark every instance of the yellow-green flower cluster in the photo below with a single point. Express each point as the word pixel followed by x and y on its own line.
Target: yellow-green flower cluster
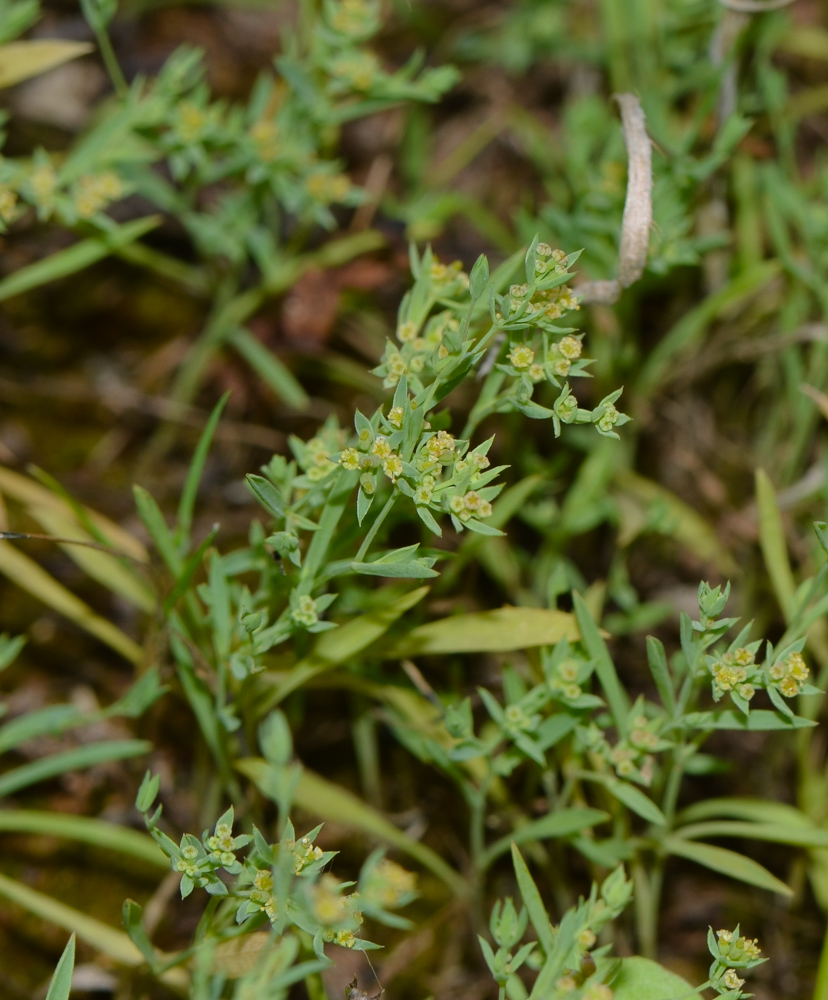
pixel 338 913
pixel 388 885
pixel 790 674
pixel 731 952
pixel 93 192
pixel 305 613
pixel 731 672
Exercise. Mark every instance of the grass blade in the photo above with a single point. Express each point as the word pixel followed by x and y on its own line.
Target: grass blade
pixel 95 933
pixel 532 901
pixel 269 368
pixel 70 760
pixel 719 859
pixel 78 257
pixel 61 982
pixel 597 650
pixel 562 823
pixel 196 470
pixel 85 829
pixel 501 630
pixel 774 545
pixel 28 575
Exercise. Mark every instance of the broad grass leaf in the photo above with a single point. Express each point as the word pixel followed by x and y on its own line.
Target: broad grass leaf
pixel 532 901
pixel 31 577
pixel 752 810
pixel 759 720
pixel 562 823
pixel 101 752
pixel 87 830
pixel 778 833
pixel 597 650
pixel 61 983
pixel 719 859
pixel 642 979
pixel 331 802
pixel 501 630
pixel 22 60
pixel 413 569
pixel 773 544
pixel 633 798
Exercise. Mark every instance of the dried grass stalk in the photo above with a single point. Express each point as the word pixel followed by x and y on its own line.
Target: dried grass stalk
pixel 638 207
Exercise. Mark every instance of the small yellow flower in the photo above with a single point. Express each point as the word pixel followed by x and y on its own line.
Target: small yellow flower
pixel 521 356
pixel 566 984
pixel 406 332
pixel 392 467
pixel 570 348
pixel 586 939
pixel 8 203
pixel 367 483
pixel 536 373
pixel 456 504
pixel 381 448
pixel 732 980
pixel 561 367
pixel 423 495
pixel 746 691
pixel 395 416
pixel 350 459
pixel 789 686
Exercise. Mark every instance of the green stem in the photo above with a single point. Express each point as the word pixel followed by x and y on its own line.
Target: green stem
pixel 644 917
pixel 110 61
pixel 372 534
pixel 821 985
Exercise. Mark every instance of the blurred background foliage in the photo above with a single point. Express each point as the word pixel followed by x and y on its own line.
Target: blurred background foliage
pixel 110 367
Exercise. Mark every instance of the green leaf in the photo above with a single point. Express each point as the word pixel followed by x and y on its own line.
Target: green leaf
pixel 719 859
pixel 778 833
pixel 413 569
pixel 131 914
pixel 269 368
pixel 267 494
pixel 752 810
pixel 633 798
pixel 86 829
pixel 642 979
pixel 773 543
pixel 501 630
pixel 759 720
pixel 76 258
pixel 344 643
pixel 661 673
pixel 562 823
pixel 533 902
pixel 70 760
pixel 188 495
pixel 597 650
pixel 61 982
pixel 335 804
pixel 150 514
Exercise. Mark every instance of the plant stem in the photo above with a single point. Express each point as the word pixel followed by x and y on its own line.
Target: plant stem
pixel 372 534
pixel 110 61
pixel 821 985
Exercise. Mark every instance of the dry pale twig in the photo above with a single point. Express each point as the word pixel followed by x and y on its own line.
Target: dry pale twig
pixel 755 6
pixel 638 207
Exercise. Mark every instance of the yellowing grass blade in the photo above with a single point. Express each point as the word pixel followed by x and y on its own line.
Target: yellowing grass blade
pixel 94 932
pixel 498 631
pixel 29 492
pixel 26 573
pixel 22 60
pixel 104 568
